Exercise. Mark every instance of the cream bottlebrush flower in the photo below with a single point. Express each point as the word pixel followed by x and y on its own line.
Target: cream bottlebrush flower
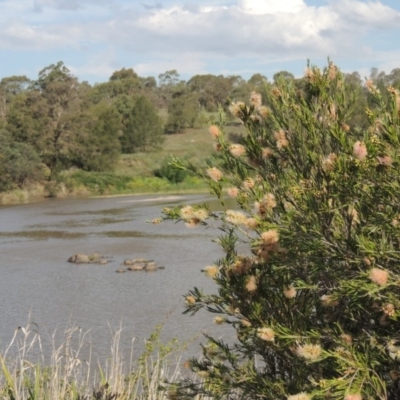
pixel 309 74
pixel 215 174
pixel 237 150
pixel 329 161
pixel 290 292
pixel 328 301
pixel 190 300
pixel 270 237
pixel 251 223
pixel 346 338
pixel 276 92
pixel 211 271
pixel 246 323
pixel 266 152
pixel 379 276
pixel 281 140
pixel 332 71
pixel 394 350
pixel 309 351
pixel 251 284
pixel 385 160
pixel 266 334
pixel 219 320
pixel 369 84
pixel 241 265
pixel 389 310
pixel 235 217
pixel 248 183
pixel 299 396
pixel 265 205
pixel 214 131
pixel 345 127
pixel 200 214
pixel 236 109
pixel 354 396
pixel 360 151
pixel 332 111
pixel 255 99
pixel 203 374
pixel 264 112
pixel 186 213
pixel 233 192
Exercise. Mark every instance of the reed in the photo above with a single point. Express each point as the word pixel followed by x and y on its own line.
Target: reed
pixel 27 372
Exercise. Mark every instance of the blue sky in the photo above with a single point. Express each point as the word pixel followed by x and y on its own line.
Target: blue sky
pixel 229 37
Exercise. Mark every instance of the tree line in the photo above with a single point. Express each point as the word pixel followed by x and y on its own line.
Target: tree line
pixel 56 122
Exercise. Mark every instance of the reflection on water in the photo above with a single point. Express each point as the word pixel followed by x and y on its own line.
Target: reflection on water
pixel 37 239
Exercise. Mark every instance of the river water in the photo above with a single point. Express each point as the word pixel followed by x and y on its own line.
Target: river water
pixel 38 284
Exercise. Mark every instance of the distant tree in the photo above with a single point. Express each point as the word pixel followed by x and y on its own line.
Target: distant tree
pixel 183 112
pixel 99 147
pixel 169 78
pixel 212 90
pixel 19 163
pixel 50 117
pixel 10 87
pixel 47 117
pixel 142 127
pixel 258 80
pixel 394 78
pixel 283 74
pixel 123 74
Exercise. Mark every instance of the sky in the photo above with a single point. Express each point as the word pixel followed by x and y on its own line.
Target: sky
pixel 94 38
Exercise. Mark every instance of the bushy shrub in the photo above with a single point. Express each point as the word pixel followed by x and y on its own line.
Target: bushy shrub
pixel 19 164
pixel 101 182
pixel 168 171
pixel 310 278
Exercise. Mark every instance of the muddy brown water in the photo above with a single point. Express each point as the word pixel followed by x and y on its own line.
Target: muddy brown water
pixel 38 284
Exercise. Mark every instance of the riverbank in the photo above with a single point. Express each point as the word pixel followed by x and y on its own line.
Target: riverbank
pixel 69 189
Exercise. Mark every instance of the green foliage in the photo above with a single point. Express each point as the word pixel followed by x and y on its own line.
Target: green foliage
pixel 310 277
pixel 19 163
pixel 47 117
pixel 100 148
pixel 182 112
pixel 170 172
pixel 102 182
pixel 142 127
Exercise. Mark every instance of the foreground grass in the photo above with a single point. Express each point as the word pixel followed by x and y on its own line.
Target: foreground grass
pixel 26 374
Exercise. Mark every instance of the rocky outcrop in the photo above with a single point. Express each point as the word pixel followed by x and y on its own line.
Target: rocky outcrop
pixel 137 264
pixel 141 264
pixel 94 258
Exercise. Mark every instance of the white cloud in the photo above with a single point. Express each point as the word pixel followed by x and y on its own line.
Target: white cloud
pixel 101 64
pixel 188 37
pixel 271 6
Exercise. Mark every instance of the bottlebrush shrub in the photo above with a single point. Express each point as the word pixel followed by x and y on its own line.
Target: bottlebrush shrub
pixel 315 299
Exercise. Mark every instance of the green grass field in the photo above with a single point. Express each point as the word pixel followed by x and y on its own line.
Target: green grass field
pixel 195 145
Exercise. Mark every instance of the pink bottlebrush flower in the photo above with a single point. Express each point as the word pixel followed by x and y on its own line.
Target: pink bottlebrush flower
pixel 233 192
pixel 360 151
pixel 266 334
pixel 379 276
pixel 215 174
pixel 270 237
pixel 237 150
pixel 255 99
pixel 214 131
pixel 251 284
